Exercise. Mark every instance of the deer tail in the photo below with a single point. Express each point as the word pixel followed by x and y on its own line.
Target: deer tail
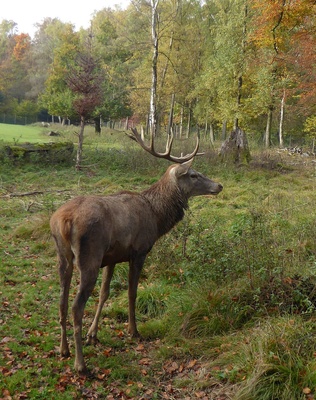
pixel 65 229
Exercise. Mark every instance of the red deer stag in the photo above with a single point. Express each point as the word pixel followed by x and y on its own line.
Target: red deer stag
pixel 96 232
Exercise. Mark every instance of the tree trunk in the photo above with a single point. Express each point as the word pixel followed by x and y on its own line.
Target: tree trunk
pixel 236 122
pixel 189 123
pixel 224 127
pixel 181 123
pixel 153 91
pixel 235 148
pixel 80 143
pixel 212 133
pixel 268 129
pixel 97 125
pixel 164 72
pixel 281 120
pixel 170 122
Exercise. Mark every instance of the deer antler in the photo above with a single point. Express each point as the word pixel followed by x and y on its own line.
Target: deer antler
pixel 150 149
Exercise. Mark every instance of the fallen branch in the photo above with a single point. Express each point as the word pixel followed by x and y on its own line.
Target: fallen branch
pixel 33 193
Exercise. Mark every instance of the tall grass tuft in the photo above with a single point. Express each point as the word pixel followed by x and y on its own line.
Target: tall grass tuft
pixel 277 359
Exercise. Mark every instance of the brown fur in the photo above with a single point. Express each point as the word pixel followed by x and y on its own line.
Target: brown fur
pixel 94 232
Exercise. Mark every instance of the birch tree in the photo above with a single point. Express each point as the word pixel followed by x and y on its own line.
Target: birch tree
pixel 153 89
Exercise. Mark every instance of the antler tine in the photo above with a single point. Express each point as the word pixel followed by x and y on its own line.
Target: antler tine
pixel 166 155
pixel 136 136
pixel 169 143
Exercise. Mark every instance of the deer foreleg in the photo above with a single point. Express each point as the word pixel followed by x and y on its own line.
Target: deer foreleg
pixel 135 268
pixel 107 274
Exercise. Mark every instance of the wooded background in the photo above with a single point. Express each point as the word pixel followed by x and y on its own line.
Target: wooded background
pixel 218 64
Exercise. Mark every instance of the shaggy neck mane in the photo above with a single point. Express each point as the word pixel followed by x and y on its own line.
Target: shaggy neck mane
pixel 167 202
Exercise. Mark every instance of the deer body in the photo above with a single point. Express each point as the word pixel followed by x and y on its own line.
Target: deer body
pixel 98 232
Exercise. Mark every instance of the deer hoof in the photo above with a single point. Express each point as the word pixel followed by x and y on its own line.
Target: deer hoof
pixel 136 335
pixel 65 353
pixel 81 369
pixel 92 340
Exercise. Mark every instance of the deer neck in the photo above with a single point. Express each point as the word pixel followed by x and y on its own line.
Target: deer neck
pixel 168 204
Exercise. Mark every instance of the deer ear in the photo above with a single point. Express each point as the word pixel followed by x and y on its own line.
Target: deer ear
pixel 183 168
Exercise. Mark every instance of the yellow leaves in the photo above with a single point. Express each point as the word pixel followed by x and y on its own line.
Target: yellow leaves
pixel 22 46
pixel 275 19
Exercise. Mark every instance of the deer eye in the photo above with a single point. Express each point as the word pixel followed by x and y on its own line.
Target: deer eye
pixel 194 176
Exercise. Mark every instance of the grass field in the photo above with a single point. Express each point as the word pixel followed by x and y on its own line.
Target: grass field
pixel 21 133
pixel 226 302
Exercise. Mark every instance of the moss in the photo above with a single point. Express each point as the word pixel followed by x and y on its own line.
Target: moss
pixel 52 151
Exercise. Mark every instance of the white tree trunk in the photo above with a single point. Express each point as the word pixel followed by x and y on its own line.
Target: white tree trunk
pixel 153 91
pixel 189 123
pixel 268 129
pixel 181 123
pixel 211 133
pixel 281 120
pixel 170 122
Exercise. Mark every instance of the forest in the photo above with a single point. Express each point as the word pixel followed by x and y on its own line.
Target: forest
pixel 216 64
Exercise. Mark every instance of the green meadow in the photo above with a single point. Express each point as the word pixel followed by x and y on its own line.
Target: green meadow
pixel 22 133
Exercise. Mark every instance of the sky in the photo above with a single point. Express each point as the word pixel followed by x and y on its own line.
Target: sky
pixel 26 13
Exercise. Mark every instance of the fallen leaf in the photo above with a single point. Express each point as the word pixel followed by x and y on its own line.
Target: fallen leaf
pixel 200 395
pixel 173 367
pixel 6 339
pixel 140 347
pixel 191 363
pixel 144 361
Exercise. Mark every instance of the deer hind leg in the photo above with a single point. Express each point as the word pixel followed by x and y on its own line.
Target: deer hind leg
pixel 65 275
pixel 107 275
pixel 135 268
pixel 88 279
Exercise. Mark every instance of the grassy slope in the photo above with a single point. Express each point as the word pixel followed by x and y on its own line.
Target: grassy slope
pixel 233 318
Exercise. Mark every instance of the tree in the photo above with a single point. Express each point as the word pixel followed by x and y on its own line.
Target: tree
pixel 57 98
pixel 235 148
pixel 153 89
pixel 27 108
pixel 181 47
pixel 49 39
pixel 14 61
pixel 169 42
pixel 74 86
pixel 218 90
pixel 113 49
pixel 84 80
pixel 277 24
pixel 302 61
pixel 310 129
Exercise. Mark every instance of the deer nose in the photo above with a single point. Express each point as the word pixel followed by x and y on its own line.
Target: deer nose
pixel 220 187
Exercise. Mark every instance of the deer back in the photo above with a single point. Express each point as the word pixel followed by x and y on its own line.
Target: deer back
pixel 113 227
